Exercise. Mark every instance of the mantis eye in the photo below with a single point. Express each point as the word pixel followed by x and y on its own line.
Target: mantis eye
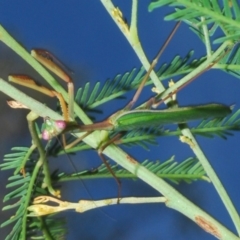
pixel 60 124
pixel 45 135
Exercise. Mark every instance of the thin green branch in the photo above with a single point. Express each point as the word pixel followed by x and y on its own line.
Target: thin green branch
pixel 45 230
pixel 206 37
pixel 227 67
pixel 214 179
pixel 129 175
pixel 201 68
pixel 28 198
pixel 26 158
pixel 37 167
pixel 39 108
pixel 31 117
pixel 132 38
pixel 133 27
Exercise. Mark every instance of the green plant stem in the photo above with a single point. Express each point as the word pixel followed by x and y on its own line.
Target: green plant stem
pixel 46 232
pixel 28 197
pixel 206 37
pixel 232 67
pixel 215 180
pixel 26 158
pixel 41 110
pixel 31 125
pixel 202 67
pixel 31 117
pixel 133 27
pixel 132 37
pixel 175 199
pixel 130 176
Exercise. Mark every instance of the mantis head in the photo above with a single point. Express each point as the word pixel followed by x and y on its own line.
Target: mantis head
pixel 52 128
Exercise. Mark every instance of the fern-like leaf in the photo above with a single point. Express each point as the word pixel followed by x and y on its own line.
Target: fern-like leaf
pixel 19 195
pixel 15 159
pixel 52 228
pixel 189 170
pixel 91 97
pixel 199 12
pixel 230 63
pixel 219 127
pixel 110 90
pixel 20 185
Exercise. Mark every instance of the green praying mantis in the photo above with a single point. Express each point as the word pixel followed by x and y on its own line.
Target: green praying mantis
pixel 122 120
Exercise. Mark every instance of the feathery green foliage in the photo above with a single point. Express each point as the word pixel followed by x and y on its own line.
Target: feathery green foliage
pixel 91 97
pixel 189 170
pixel 22 191
pixel 224 14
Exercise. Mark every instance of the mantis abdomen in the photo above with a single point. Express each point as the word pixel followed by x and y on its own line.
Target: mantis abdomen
pixel 147 118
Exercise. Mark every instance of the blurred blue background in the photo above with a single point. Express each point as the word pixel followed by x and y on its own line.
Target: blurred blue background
pixel 83 36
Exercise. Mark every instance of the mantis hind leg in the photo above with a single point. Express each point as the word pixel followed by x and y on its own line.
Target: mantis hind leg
pixel 100 153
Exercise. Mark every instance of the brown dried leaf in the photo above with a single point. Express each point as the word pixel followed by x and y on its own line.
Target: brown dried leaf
pixel 16 104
